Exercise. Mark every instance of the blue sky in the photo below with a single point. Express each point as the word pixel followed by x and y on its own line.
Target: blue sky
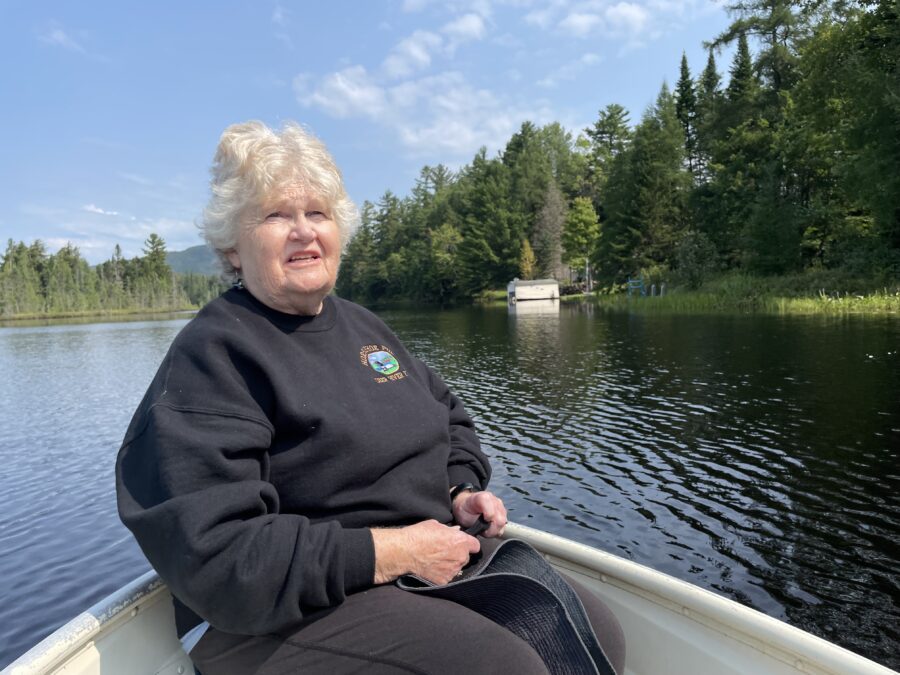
pixel 112 110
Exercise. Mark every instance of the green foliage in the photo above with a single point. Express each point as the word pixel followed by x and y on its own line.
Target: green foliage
pixel 686 110
pixel 791 167
pixel 35 283
pixel 527 261
pixel 695 258
pixel 609 138
pixel 580 233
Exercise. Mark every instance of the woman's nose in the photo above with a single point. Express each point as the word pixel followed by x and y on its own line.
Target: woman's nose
pixel 302 230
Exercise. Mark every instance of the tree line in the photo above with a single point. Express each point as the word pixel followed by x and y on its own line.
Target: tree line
pixel 791 166
pixel 33 282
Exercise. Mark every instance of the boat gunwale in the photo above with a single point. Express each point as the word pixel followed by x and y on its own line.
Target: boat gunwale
pixel 774 638
pixel 78 633
pixel 793 646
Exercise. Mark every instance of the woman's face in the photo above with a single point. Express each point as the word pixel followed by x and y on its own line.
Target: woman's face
pixel 289 251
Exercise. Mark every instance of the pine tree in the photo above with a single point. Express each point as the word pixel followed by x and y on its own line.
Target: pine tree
pixel 491 230
pixel 609 137
pixel 529 173
pixel 580 234
pixel 709 100
pixel 647 196
pixel 743 89
pixel 686 109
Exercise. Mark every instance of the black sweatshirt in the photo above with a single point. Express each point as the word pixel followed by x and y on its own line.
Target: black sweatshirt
pixel 268 444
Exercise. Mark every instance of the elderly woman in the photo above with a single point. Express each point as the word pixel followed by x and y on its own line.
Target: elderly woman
pixel 291 458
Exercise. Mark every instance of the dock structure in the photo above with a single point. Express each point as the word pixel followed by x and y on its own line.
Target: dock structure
pixel 533 289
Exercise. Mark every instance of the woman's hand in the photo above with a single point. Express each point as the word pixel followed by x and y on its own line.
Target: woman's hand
pixel 468 506
pixel 428 549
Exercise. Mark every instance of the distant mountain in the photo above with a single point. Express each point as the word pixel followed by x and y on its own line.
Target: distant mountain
pixel 197 259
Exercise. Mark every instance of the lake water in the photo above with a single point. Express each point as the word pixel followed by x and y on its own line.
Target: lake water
pixel 758 457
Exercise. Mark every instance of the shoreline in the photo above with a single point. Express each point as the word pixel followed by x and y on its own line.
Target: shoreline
pixel 20 319
pixel 693 302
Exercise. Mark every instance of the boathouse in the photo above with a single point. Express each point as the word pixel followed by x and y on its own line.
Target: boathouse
pixel 534 289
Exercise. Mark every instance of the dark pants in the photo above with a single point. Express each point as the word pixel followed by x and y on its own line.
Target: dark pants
pixel 389 631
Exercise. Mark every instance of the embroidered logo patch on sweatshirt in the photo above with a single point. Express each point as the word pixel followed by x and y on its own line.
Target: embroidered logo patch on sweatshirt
pixel 380 359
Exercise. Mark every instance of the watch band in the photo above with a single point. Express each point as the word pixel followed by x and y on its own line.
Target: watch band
pixel 462 487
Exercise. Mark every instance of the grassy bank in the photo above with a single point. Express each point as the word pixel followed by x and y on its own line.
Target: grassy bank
pixel 801 294
pixel 91 314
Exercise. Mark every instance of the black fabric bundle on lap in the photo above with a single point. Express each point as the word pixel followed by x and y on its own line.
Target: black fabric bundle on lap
pixel 516 588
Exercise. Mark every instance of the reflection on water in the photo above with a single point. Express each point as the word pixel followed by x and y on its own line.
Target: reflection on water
pixel 757 457
pixel 534 307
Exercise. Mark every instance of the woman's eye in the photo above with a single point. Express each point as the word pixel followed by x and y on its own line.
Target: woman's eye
pixel 275 214
pixel 316 215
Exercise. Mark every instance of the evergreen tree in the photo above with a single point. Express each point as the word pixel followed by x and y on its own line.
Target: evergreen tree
pixel 20 284
pixel 647 197
pixel 609 137
pixel 155 264
pixel 686 110
pixel 566 166
pixel 444 270
pixel 743 87
pixel 580 234
pixel 529 173
pixel 491 231
pixel 709 99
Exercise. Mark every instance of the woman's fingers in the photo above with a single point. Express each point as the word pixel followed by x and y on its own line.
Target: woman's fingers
pixel 486 505
pixel 439 552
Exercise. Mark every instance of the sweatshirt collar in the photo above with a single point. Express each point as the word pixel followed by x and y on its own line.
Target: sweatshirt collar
pixel 290 323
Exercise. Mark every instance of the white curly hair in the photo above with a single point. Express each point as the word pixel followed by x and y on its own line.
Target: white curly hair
pixel 252 161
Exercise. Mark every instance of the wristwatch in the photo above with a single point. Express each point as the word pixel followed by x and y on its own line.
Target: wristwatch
pixel 462 487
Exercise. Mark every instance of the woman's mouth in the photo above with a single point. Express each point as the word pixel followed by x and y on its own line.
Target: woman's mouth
pixel 303 258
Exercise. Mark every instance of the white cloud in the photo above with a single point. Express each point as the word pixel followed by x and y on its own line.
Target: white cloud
pixel 627 17
pixel 91 208
pixel 546 16
pixel 438 115
pixel 347 93
pixel 412 54
pixel 96 241
pixel 542 18
pixel 467 27
pixel 580 24
pixel 57 37
pixel 416 53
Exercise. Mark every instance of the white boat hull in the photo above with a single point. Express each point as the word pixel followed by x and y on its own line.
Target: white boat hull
pixel 671 627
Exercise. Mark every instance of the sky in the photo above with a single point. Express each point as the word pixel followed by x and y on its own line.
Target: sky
pixel 111 110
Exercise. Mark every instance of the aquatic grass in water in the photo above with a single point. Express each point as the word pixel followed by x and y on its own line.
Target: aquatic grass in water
pixel 741 293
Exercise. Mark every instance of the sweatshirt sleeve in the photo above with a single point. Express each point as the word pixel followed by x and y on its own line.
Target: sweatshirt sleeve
pixel 191 487
pixel 467 463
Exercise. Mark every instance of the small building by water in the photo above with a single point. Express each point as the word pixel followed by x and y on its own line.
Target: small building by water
pixel 533 289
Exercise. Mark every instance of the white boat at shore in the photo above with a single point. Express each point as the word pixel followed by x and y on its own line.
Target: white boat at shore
pixel 671 627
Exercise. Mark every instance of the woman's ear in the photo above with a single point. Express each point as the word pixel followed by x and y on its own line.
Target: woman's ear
pixel 234 258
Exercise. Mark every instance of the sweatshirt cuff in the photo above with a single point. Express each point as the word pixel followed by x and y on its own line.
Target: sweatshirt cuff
pixel 359 559
pixel 462 474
